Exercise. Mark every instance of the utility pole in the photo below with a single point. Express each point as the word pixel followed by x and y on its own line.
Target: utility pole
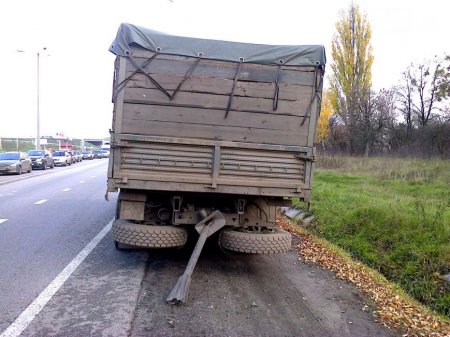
pixel 38 131
pixel 38 126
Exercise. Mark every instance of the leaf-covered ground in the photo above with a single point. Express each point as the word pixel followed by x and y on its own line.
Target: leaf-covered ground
pixel 394 309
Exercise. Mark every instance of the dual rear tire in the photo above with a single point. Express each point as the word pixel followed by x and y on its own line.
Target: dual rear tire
pixel 153 236
pixel 275 241
pixel 148 236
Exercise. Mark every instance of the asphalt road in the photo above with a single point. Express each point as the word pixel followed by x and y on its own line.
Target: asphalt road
pixel 122 293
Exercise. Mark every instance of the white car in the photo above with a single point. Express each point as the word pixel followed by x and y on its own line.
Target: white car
pixel 62 158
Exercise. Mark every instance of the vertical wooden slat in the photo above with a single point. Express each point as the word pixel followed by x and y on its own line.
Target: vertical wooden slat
pixel 314 109
pixel 118 114
pixel 118 106
pixel 216 166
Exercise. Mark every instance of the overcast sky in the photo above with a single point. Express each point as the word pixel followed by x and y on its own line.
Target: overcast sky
pixel 76 69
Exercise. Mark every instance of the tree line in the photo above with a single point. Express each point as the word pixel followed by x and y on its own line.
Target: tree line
pixel 412 118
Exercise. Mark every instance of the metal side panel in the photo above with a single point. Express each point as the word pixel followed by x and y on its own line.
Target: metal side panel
pixel 210 168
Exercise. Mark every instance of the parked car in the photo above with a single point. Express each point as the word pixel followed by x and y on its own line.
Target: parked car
pixel 15 162
pixel 73 158
pixel 62 158
pixel 98 154
pixel 79 156
pixel 88 155
pixel 41 159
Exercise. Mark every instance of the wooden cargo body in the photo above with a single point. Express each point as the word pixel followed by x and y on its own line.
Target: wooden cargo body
pixel 191 124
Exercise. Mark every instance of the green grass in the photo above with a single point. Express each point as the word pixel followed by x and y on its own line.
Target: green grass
pixel 394 215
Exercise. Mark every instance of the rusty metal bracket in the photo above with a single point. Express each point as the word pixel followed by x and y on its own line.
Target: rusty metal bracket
pixel 230 100
pixel 306 157
pixel 277 87
pixel 187 75
pixel 122 84
pixel 317 94
pixel 208 226
pixel 141 70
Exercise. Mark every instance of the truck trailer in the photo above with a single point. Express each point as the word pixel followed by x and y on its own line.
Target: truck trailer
pixel 212 135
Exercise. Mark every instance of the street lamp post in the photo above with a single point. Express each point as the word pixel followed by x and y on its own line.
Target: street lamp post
pixel 38 127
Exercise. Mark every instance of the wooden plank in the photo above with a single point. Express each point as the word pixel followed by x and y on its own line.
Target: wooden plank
pixel 214 118
pixel 180 153
pixel 227 70
pixel 294 176
pixel 134 166
pixel 162 185
pixel 207 131
pixel 254 153
pixel 222 86
pixel 231 181
pixel 219 102
pixel 132 140
pixel 118 106
pixel 314 114
pixel 253 162
pixel 120 71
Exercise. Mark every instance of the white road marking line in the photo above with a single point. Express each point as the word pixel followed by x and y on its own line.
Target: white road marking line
pixel 40 202
pixel 82 181
pixel 3 220
pixel 93 176
pixel 27 316
pixel 66 189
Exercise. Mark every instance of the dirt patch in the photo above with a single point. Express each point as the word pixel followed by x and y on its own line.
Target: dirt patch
pixel 250 295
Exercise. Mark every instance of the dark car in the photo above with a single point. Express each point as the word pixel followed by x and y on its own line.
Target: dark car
pixel 15 162
pixel 41 159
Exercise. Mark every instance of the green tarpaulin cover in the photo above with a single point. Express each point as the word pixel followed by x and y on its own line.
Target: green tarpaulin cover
pixel 130 36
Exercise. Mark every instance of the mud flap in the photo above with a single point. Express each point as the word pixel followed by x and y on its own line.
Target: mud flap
pixel 208 226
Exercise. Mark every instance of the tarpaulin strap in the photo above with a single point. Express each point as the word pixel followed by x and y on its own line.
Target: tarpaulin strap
pixel 141 70
pixel 241 60
pixel 317 95
pixel 188 74
pixel 122 84
pixel 277 88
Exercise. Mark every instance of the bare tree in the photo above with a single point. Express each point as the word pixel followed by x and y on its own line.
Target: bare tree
pixel 387 116
pixel 440 135
pixel 425 86
pixel 377 114
pixel 405 99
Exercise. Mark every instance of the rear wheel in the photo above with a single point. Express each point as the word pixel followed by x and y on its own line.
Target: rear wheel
pixel 268 242
pixel 148 236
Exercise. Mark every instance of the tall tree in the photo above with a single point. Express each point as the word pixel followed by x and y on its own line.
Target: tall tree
pixel 351 78
pixel 323 124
